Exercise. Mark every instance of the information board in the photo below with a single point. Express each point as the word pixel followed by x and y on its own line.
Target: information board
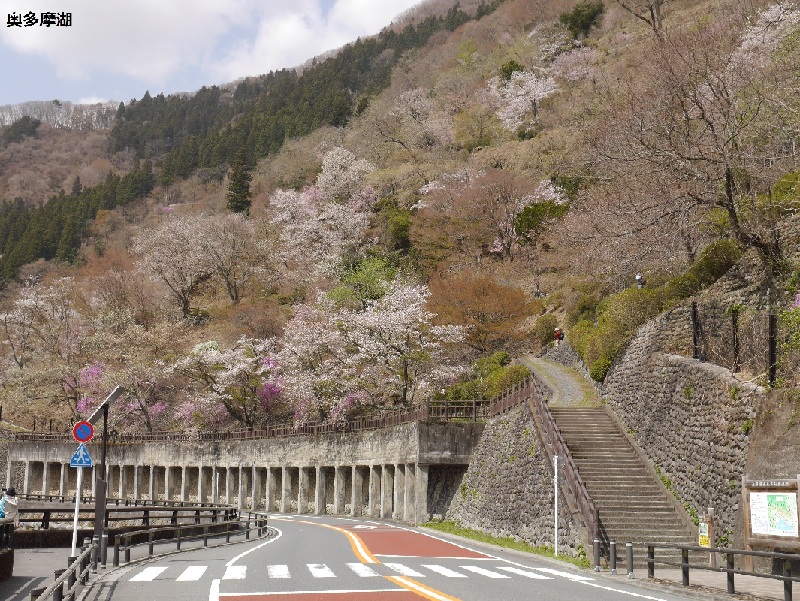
pixel 773 514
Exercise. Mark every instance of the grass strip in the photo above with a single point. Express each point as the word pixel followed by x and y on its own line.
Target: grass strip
pixel 506 542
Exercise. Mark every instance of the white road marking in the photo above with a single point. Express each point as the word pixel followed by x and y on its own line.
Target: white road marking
pixel 484 572
pixel 327 592
pixel 616 590
pixel 148 574
pixel 320 570
pixel 445 571
pixel 525 573
pixel 569 575
pixel 213 593
pixel 362 570
pixel 404 570
pixel 192 573
pixel 264 544
pixel 235 573
pixel 278 572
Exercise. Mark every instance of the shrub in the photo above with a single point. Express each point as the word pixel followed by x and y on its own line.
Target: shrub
pixel 619 316
pixel 504 378
pixel 543 329
pixel 583 17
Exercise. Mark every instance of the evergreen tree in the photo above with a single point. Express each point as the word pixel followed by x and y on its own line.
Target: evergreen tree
pixel 239 195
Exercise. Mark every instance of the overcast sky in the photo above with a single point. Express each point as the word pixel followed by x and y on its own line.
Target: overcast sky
pixel 117 49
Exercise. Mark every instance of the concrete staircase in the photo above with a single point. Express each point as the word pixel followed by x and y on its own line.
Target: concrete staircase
pixel 634 506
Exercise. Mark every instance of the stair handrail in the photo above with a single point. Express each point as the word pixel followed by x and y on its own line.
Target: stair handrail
pixel 589 512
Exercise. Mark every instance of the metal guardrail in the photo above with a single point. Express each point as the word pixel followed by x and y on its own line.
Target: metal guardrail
pixel 123 543
pixel 76 574
pixel 587 508
pixel 730 554
pixel 124 510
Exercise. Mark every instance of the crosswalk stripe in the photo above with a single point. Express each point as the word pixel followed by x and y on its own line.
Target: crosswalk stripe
pixel 192 573
pixel 484 572
pixel 404 570
pixel 278 572
pixel 523 573
pixel 570 575
pixel 320 570
pixel 445 571
pixel 235 573
pixel 148 574
pixel 362 570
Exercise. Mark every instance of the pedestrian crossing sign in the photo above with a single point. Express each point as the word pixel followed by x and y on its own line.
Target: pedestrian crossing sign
pixel 81 457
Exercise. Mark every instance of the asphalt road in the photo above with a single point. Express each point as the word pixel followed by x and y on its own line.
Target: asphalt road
pixel 329 559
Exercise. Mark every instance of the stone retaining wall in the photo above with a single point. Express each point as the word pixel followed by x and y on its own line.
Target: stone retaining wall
pixel 508 487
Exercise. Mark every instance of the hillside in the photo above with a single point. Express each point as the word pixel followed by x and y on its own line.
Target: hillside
pixel 410 211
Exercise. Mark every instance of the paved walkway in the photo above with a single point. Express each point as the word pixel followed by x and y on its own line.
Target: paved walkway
pixel 570 389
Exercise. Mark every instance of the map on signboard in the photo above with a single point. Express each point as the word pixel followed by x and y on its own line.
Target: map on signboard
pixel 774 514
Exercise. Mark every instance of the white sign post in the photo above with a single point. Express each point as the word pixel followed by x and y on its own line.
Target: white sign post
pixel 77 507
pixel 555 505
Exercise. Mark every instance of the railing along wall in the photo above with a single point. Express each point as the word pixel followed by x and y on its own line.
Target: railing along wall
pixel 469 410
pixel 590 514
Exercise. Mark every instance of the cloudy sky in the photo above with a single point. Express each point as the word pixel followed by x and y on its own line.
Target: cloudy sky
pixel 117 49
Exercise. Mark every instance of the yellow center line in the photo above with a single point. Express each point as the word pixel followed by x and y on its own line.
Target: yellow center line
pixel 365 556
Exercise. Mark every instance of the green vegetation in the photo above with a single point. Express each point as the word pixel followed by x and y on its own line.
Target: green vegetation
pixel 22 128
pixel 544 327
pixel 239 196
pixel 583 17
pixel 506 542
pixel 619 316
pixel 55 229
pixel 492 375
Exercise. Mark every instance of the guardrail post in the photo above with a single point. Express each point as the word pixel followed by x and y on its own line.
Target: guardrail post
pixel 115 563
pixel 46 520
pixel 729 562
pixel 103 549
pixel 36 592
pixel 596 555
pixel 58 592
pixel 247 528
pixel 95 549
pixel 127 549
pixel 71 578
pixel 651 561
pixel 178 539
pixel 685 566
pixel 629 558
pixel 613 556
pixel 787 584
pixel 85 562
pixel 150 543
pixel 205 536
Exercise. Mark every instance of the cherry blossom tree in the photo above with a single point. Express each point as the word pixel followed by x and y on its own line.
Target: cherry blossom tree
pixel 232 250
pixel 174 253
pixel 337 360
pixel 242 379
pixel 342 174
pixel 314 232
pixel 518 97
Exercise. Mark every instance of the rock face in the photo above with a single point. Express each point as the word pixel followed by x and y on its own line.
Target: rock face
pixel 508 487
